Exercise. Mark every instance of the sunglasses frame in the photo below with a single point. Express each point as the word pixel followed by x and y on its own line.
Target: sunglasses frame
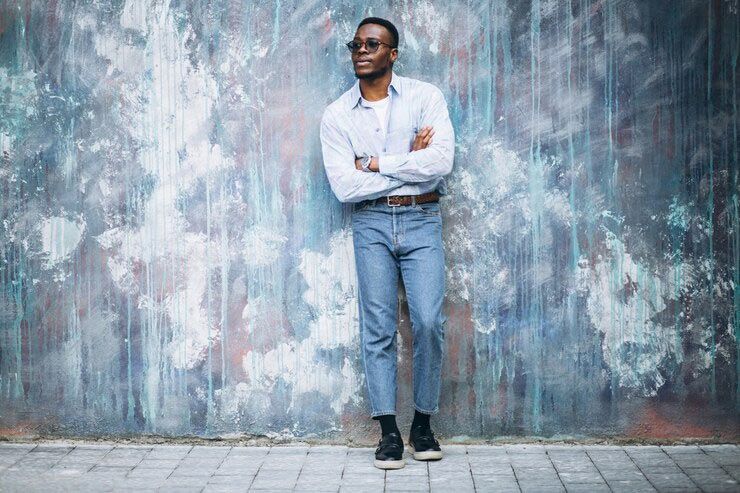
pixel 364 43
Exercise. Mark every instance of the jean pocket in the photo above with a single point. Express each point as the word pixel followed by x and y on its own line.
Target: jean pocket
pixel 429 209
pixel 361 206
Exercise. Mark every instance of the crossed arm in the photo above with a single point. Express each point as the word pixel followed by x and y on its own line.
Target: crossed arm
pixel 421 141
pixel 427 159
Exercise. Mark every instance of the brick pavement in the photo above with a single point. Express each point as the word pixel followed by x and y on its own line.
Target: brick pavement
pixel 74 466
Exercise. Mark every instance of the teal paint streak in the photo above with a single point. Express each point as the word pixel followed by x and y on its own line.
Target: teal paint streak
pixel 536 194
pixel 735 215
pixel 710 200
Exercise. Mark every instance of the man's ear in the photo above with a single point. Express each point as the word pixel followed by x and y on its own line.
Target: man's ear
pixel 394 54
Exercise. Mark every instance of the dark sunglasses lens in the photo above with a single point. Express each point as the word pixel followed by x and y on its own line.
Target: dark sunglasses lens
pixel 372 45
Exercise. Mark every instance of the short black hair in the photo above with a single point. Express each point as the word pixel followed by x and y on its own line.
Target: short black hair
pixel 382 22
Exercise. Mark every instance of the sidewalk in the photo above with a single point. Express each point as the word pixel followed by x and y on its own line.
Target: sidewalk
pixel 74 466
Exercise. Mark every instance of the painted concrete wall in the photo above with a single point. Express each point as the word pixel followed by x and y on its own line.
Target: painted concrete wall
pixel 173 261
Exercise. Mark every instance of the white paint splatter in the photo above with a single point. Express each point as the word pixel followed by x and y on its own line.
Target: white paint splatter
pixel 331 293
pixel 59 238
pixel 623 299
pixel 262 246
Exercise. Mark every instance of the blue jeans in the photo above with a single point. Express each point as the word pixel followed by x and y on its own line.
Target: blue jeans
pixel 388 241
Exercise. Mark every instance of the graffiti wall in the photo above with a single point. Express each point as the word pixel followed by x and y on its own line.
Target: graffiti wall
pixel 173 261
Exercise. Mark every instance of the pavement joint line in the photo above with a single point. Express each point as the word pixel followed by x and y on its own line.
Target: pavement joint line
pixel 597 468
pixel 646 476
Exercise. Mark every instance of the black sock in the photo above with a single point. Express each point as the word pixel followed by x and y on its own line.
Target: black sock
pixel 387 424
pixel 420 419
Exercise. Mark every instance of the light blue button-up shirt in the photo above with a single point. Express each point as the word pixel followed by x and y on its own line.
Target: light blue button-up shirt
pixel 350 129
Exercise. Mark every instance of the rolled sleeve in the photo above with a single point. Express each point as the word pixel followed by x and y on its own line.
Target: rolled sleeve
pixel 347 182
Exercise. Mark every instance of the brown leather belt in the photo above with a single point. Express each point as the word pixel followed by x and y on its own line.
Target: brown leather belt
pixel 396 200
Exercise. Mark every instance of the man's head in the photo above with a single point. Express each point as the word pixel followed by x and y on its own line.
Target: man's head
pixel 375 48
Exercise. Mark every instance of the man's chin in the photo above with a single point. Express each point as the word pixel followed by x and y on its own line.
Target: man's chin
pixel 370 75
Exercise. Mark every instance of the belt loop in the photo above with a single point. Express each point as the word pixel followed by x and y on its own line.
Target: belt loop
pixel 413 201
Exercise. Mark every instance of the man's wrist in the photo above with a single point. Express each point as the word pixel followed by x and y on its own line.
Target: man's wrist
pixel 366 160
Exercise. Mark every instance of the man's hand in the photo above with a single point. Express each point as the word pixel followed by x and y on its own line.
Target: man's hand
pixel 423 138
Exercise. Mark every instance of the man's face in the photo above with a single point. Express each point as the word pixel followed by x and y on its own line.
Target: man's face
pixel 372 65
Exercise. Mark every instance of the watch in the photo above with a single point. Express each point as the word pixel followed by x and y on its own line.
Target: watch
pixel 366 162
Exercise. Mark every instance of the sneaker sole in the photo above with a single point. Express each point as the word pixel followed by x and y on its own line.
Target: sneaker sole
pixel 425 455
pixel 389 464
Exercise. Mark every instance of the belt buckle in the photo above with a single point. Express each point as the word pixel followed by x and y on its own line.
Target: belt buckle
pixel 388 202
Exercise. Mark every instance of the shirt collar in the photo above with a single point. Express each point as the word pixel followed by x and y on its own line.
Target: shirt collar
pixel 355 93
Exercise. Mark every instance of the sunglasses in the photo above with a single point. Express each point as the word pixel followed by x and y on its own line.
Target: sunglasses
pixel 371 45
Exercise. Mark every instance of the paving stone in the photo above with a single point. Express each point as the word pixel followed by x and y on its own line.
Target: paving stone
pixel 555 447
pixel 245 480
pixel 621 473
pixel 150 473
pixel 677 449
pixel 487 450
pixel 711 476
pixel 205 452
pixel 540 487
pixel 127 452
pixel 6 448
pixel 166 488
pixel 248 451
pixel 654 461
pixel 237 471
pixel 314 489
pixel 288 451
pixel 168 453
pixel 319 484
pixel 587 488
pixel 200 463
pixel 446 487
pixel 271 484
pixel 406 487
pixel 725 458
pixel 324 469
pixel 693 461
pixel 27 463
pixel 363 480
pixel 70 469
pixel 488 483
pixel 113 469
pixel 628 486
pixel 330 449
pixel 186 472
pixel 158 464
pixel 577 467
pixel 581 477
pixel 223 488
pixel 524 448
pixel 358 489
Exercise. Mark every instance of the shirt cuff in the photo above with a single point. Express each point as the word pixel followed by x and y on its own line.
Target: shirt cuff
pixel 388 165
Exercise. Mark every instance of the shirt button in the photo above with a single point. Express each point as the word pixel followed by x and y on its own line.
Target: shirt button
pixel 377 130
pixel 383 149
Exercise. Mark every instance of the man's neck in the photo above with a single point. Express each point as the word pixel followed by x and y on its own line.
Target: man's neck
pixel 375 89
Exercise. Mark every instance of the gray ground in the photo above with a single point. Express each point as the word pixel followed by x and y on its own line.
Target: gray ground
pixel 76 466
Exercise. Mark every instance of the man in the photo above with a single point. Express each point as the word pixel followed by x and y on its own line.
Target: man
pixel 387 143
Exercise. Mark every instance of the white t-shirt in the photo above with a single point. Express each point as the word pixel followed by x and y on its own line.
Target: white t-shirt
pixel 381 110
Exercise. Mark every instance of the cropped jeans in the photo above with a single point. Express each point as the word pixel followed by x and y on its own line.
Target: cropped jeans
pixel 388 241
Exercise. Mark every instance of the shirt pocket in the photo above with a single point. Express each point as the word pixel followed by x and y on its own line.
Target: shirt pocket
pixel 399 140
